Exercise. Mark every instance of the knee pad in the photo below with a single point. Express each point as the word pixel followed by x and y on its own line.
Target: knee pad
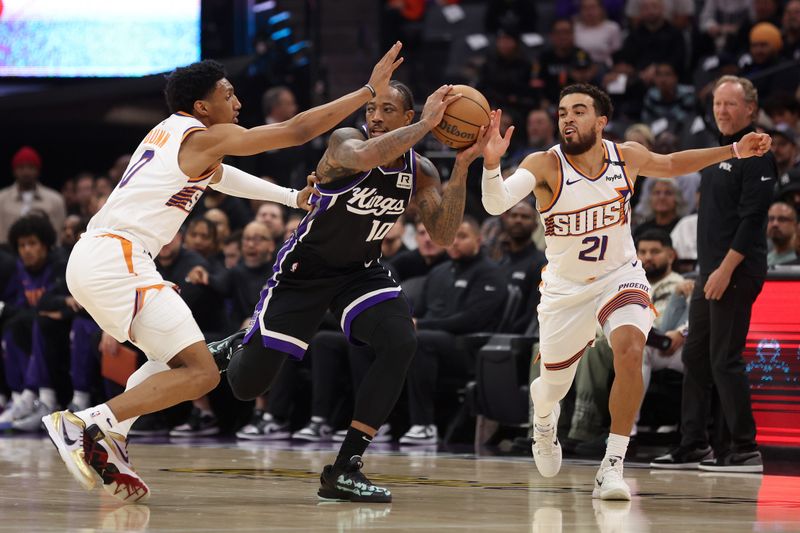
pixel 395 337
pixel 253 369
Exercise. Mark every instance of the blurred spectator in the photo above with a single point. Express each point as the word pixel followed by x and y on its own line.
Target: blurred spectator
pixel 232 249
pixel 294 220
pixel 287 165
pixel 688 184
pixel 678 12
pixel 642 134
pixel 785 149
pixel 666 203
pixel 762 64
pixel 668 100
pixel 551 70
pixel 103 186
pixel 782 233
pixel 791 30
pixel 500 12
pixel 392 243
pixel 68 194
pixel 540 131
pixel 71 232
pixel 505 77
pixel 582 69
pixel 415 263
pixel 221 221
pixel 522 263
pixel 653 41
pixel 789 190
pixel 84 192
pixel 463 295
pixel 722 18
pixel 784 109
pixel 236 209
pixel 117 170
pixel 273 216
pixel 600 37
pixel 29 375
pixel 28 194
pixel 762 11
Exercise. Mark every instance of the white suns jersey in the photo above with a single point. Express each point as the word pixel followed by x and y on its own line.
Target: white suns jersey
pixel 154 196
pixel 587 224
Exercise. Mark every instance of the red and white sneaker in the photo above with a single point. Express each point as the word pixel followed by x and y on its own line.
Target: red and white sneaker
pixel 107 454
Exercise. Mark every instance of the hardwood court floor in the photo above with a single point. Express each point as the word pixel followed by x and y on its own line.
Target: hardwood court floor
pixel 230 487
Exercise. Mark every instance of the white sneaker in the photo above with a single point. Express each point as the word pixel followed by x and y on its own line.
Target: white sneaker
pixel 384 434
pixel 107 454
pixel 16 411
pixel 546 449
pixel 609 483
pixel 66 431
pixel 420 434
pixel 317 430
pixel 33 421
pixel 264 429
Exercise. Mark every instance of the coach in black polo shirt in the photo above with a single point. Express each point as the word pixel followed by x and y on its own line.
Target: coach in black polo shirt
pixel 732 253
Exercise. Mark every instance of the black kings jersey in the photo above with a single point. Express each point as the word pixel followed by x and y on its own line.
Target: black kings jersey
pixel 352 215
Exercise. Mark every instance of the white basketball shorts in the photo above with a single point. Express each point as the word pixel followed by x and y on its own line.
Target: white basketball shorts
pixel 116 280
pixel 569 311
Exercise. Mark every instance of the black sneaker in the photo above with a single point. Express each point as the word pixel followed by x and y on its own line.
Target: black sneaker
pixel 150 425
pixel 740 462
pixel 223 350
pixel 683 458
pixel 198 425
pixel 349 484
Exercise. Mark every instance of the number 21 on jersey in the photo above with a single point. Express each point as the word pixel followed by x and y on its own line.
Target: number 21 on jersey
pixel 588 254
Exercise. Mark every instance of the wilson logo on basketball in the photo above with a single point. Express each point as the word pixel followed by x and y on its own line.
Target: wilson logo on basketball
pixel 452 129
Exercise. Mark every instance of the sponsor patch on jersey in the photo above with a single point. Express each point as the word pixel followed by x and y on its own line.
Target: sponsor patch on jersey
pixel 404 180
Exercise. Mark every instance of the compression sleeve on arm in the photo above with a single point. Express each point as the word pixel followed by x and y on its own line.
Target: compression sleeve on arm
pixel 499 195
pixel 239 183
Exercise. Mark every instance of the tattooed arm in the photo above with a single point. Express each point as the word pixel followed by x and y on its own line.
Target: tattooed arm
pixel 442 213
pixel 348 152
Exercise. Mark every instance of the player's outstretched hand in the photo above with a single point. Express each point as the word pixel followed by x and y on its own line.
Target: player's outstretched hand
pixel 496 144
pixel 304 195
pixel 383 70
pixel 471 153
pixel 754 145
pixel 435 105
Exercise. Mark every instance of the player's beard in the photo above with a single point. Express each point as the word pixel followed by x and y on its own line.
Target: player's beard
pixel 581 145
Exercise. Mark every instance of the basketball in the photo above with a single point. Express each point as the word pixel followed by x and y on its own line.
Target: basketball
pixel 463 118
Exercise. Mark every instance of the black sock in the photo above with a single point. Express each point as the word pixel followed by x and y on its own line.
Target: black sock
pixel 355 443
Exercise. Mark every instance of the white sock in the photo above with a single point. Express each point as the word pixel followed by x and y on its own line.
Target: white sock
pixel 617 446
pixel 81 399
pixel 15 396
pixel 148 369
pixel 27 398
pixel 48 397
pixel 100 415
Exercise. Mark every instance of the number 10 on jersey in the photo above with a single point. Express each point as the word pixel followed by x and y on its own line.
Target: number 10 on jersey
pixel 379 230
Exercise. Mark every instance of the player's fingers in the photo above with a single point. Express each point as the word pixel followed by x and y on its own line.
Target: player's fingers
pixel 397 64
pixel 509 131
pixel 391 54
pixel 451 98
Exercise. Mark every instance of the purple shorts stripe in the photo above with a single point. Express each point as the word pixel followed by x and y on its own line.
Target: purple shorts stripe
pixel 363 306
pixel 283 346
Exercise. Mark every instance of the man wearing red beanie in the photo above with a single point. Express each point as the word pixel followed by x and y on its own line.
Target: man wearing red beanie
pixel 27 194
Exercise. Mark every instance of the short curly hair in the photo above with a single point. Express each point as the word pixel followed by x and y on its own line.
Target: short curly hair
pixel 186 85
pixel 35 225
pixel 602 102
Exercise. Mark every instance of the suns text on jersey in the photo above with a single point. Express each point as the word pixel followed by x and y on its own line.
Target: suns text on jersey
pixel 587 220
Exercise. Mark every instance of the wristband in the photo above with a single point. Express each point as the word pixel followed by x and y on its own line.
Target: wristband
pixel 371 89
pixel 736 151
